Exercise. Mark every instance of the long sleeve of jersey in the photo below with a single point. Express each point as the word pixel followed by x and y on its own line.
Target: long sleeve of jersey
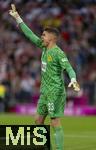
pixel 66 65
pixel 30 35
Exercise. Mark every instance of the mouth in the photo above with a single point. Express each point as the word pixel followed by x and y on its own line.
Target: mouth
pixel 42 40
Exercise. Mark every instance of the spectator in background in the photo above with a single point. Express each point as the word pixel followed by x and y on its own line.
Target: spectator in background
pixel 2 97
pixel 25 86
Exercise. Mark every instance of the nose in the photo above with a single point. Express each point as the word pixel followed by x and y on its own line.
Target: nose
pixel 41 36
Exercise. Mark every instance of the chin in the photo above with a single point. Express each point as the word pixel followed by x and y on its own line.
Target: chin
pixel 45 44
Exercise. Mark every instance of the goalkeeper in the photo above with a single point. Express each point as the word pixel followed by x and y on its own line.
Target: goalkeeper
pixel 54 61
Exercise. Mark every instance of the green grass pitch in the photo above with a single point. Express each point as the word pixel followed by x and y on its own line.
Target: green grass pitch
pixel 79 132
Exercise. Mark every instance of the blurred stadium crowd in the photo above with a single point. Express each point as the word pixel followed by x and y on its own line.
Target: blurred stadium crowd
pixel 20 59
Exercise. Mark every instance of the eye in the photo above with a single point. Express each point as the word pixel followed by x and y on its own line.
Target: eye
pixel 43 34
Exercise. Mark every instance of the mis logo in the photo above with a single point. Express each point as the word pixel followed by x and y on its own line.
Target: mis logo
pixel 24 137
pixel 49 58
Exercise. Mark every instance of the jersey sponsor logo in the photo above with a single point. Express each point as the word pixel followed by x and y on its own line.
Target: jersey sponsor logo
pixel 64 59
pixel 49 58
pixel 43 66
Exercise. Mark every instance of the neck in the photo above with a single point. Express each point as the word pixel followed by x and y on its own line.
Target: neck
pixel 51 45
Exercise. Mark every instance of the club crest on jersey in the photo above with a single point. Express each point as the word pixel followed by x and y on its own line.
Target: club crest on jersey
pixel 49 58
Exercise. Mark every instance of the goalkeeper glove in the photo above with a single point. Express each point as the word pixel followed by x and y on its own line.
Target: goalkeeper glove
pixel 15 14
pixel 75 84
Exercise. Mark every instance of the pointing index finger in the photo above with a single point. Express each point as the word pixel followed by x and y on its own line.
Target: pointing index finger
pixel 13 7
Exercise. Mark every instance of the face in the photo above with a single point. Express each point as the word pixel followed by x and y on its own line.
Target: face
pixel 47 38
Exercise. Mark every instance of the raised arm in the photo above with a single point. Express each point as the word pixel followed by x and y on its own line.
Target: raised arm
pixel 25 29
pixel 64 62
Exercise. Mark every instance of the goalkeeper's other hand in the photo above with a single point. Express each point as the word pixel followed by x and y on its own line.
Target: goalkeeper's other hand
pixel 13 12
pixel 74 84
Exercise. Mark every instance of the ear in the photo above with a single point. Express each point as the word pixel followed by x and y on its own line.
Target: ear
pixel 55 38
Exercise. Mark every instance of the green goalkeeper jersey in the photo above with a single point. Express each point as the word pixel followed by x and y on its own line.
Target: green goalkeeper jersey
pixel 54 61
